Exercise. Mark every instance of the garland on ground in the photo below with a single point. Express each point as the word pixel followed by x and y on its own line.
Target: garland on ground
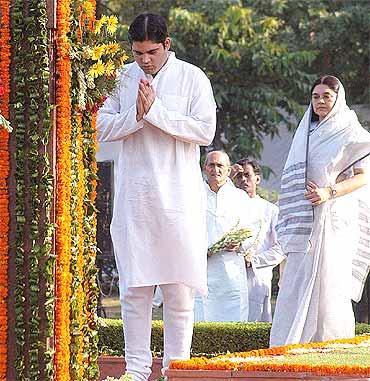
pixel 251 361
pixel 4 171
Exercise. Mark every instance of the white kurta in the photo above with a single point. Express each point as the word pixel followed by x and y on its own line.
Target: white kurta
pixel 159 227
pixel 268 254
pixel 227 298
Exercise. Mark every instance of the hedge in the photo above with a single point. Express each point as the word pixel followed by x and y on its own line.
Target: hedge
pixel 209 338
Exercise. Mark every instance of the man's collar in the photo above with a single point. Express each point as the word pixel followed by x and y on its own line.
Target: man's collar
pixel 227 184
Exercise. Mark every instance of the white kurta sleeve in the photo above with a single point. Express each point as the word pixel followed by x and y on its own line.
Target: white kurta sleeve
pixel 116 124
pixel 198 127
pixel 273 255
pixel 270 257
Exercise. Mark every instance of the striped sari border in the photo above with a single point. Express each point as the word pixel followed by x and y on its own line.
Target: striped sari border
pixel 294 167
pixel 296 231
pixel 295 176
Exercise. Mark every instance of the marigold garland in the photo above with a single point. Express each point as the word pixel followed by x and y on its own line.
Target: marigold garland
pixel 224 362
pixel 84 319
pixel 63 215
pixel 75 339
pixel 4 171
pixel 83 347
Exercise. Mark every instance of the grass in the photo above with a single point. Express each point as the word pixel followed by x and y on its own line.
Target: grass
pixel 351 357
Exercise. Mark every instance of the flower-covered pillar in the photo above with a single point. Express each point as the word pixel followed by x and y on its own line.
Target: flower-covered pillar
pixel 31 265
pixel 4 172
pixel 56 65
pixel 87 60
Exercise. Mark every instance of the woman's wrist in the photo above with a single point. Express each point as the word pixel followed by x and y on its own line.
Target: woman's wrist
pixel 333 192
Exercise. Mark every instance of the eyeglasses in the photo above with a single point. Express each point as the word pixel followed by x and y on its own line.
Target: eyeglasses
pixel 326 97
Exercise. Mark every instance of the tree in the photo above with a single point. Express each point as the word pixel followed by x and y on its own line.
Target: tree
pixel 254 75
pixel 126 10
pixel 338 30
pixel 262 56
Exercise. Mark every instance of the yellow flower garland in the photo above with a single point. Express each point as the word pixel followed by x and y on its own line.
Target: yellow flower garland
pixel 81 260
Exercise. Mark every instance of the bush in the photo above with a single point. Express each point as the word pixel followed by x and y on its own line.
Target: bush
pixel 209 338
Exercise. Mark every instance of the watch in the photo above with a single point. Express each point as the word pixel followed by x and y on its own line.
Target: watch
pixel 333 191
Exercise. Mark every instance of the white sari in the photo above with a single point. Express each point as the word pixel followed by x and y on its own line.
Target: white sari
pixel 328 246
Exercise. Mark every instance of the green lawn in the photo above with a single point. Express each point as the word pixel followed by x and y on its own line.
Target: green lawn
pixel 359 356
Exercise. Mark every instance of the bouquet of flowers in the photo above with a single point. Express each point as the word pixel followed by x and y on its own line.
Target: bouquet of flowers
pixel 234 237
pixel 96 58
pixel 250 252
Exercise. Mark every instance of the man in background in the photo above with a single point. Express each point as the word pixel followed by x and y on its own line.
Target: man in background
pixel 263 249
pixel 227 207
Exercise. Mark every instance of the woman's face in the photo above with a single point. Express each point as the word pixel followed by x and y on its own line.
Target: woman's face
pixel 323 100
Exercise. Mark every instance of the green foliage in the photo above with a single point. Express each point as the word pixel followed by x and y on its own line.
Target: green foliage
pixel 128 9
pixel 362 329
pixel 337 30
pixel 218 338
pixel 271 196
pixel 30 111
pixel 90 332
pixel 262 56
pixel 209 339
pixel 254 75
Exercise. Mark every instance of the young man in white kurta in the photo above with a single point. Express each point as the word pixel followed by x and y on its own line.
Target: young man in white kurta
pixel 162 111
pixel 265 250
pixel 227 206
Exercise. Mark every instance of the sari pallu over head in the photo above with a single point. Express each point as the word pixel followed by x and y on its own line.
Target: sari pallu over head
pixel 338 142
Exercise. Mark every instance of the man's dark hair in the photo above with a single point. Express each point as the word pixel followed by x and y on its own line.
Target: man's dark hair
pixel 253 163
pixel 148 27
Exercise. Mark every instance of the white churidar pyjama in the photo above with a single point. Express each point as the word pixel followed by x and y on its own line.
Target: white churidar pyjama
pixel 178 318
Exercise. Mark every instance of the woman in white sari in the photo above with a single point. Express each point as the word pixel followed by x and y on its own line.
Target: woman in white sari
pixel 324 221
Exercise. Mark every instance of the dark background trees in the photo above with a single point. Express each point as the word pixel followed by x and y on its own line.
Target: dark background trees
pixel 262 55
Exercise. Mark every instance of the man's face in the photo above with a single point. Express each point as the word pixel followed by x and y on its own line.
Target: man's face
pixel 217 169
pixel 247 180
pixel 149 55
